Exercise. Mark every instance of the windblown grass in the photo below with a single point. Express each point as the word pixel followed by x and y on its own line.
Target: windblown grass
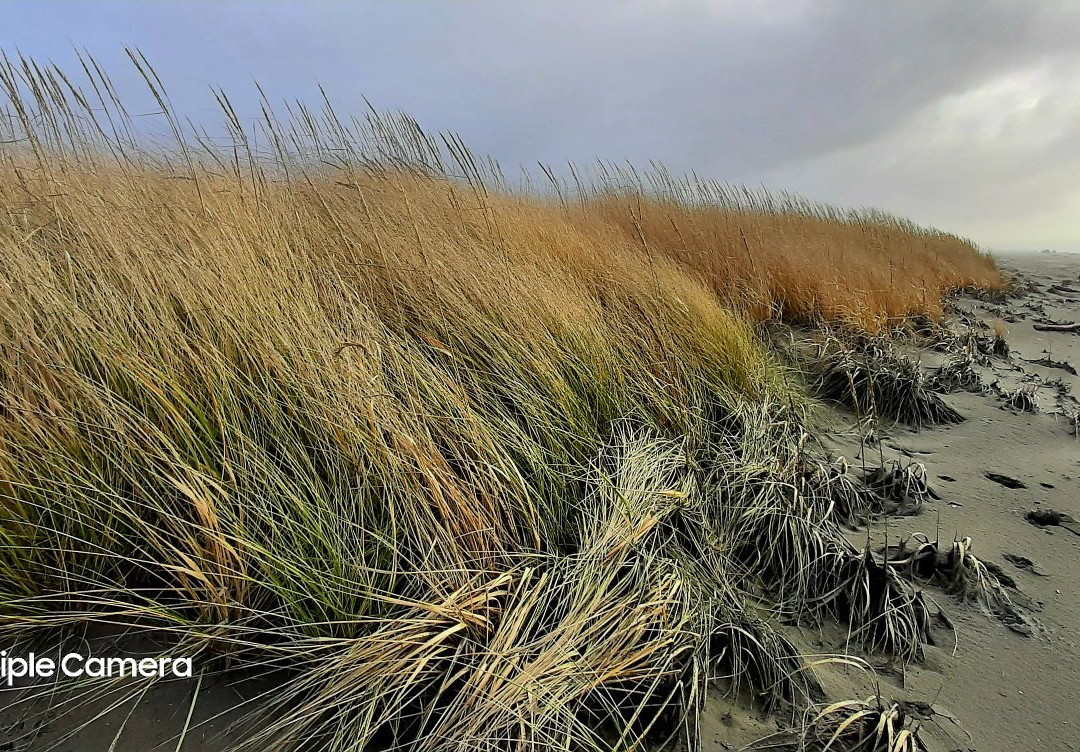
pixel 472 466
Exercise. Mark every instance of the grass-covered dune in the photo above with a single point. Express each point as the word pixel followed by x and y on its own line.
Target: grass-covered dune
pixel 475 466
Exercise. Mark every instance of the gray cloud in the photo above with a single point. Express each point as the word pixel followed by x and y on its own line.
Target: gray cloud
pixel 961 114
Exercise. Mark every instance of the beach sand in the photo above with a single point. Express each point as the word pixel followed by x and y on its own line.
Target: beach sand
pixel 1007 690
pixel 1010 691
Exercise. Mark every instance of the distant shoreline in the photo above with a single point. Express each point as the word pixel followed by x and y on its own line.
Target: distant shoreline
pixel 1028 252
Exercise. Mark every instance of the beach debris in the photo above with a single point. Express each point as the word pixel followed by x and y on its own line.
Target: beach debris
pixel 1005 480
pixel 1070 327
pixel 908 451
pixel 1020 628
pixel 1022 400
pixel 1053 518
pixel 1062 289
pixel 1022 562
pixel 1061 389
pixel 906 486
pixel 1048 362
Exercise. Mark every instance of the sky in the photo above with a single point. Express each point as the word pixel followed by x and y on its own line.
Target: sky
pixel 960 115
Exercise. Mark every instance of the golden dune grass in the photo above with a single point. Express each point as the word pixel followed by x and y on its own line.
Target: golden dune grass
pixel 476 466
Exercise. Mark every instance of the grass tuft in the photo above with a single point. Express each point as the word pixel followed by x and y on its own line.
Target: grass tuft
pixel 875 382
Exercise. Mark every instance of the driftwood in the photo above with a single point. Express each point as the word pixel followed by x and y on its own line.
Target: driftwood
pixel 1049 362
pixel 1059 289
pixel 1074 328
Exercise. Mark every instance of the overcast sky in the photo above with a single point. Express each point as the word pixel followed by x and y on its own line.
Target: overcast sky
pixel 963 115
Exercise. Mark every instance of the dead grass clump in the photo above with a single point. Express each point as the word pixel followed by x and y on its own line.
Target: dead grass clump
pixel 1024 399
pixel 853 502
pixel 888 615
pixel 1001 332
pixel 904 486
pixel 895 488
pixel 956 374
pixel 782 531
pixel 958 572
pixel 883 385
pixel 873 724
pixel 870 725
pixel 970 344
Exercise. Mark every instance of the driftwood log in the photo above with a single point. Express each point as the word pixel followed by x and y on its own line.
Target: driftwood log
pixel 1063 289
pixel 1074 328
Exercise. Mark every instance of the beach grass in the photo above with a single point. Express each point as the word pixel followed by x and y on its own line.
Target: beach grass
pixel 472 463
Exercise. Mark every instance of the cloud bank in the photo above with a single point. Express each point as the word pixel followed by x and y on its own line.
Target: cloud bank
pixel 961 115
